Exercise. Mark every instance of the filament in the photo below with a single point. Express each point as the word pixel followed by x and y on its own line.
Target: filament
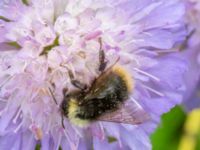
pixel 153 91
pixel 147 74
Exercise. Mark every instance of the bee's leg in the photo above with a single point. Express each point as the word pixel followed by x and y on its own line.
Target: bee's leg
pixel 65 92
pixel 62 121
pixel 75 82
pixel 102 61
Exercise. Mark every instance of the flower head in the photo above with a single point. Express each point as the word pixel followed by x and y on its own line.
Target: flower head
pixel 42 40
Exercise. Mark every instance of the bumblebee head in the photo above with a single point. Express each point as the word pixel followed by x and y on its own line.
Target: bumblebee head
pixel 74 108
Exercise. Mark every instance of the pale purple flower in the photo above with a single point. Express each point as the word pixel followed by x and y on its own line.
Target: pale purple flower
pixel 192 75
pixel 41 38
pixel 192 20
pixel 192 53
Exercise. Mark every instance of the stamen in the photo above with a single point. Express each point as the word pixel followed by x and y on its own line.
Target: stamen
pixel 154 91
pixel 4 110
pixel 48 126
pixel 147 74
pixel 102 129
pixel 66 135
pixel 5 81
pixel 37 131
pixel 167 51
pixel 135 101
pixel 59 141
pixel 138 52
pixel 77 131
pixel 71 143
pixel 34 94
pixel 119 141
pixel 8 104
pixel 18 127
pixel 17 115
pixel 134 41
pixel 98 131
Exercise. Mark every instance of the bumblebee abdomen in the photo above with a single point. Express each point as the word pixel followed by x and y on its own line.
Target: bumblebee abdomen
pixel 106 95
pixel 108 99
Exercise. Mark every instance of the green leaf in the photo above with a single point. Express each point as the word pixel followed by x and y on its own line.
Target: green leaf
pixel 168 134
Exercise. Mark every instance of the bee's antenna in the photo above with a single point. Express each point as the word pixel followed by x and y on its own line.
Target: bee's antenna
pixel 53 96
pixel 62 117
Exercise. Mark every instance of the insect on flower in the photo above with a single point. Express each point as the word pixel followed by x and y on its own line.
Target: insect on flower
pixel 105 100
pixel 45 43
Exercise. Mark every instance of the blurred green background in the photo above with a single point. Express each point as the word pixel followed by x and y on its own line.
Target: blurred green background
pixel 178 131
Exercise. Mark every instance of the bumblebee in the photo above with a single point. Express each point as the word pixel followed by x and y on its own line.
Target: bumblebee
pixel 104 100
pixel 105 95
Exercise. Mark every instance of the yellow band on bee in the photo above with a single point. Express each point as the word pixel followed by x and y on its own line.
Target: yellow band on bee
pixel 72 111
pixel 125 75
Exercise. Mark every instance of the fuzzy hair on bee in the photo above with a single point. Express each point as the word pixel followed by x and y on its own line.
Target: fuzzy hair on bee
pixel 106 95
pixel 105 100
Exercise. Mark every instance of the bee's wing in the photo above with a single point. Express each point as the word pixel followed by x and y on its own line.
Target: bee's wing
pixel 128 113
